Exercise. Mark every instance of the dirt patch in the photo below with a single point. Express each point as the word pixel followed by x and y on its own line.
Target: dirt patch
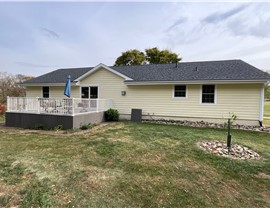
pixel 263 175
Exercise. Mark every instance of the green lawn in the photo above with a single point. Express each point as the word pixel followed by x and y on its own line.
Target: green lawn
pixel 266 113
pixel 2 118
pixel 130 165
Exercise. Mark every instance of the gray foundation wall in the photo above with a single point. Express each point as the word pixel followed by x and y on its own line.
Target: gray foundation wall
pixel 28 120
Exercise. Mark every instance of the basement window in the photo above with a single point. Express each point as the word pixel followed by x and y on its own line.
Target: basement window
pixel 180 91
pixel 45 92
pixel 208 94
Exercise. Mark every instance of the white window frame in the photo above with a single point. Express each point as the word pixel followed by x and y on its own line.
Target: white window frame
pixel 215 94
pixel 180 98
pixel 89 90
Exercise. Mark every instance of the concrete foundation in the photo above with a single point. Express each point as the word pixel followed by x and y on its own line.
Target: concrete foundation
pixel 29 120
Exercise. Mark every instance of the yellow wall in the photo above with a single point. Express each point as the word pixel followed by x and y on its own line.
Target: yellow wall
pixel 56 92
pixel 157 100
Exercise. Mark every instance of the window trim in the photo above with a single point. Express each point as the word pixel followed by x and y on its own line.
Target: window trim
pixel 173 89
pixel 215 95
pixel 42 92
pixel 87 85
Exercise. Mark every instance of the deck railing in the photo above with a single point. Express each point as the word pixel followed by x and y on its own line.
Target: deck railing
pixel 62 106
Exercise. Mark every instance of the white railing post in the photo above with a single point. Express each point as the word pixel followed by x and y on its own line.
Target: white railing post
pixel 8 104
pixel 73 107
pixel 38 104
pixel 97 104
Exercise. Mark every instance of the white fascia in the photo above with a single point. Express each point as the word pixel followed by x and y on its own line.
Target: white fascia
pixel 99 66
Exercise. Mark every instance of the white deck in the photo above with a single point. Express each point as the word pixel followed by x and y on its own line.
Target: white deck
pixel 57 106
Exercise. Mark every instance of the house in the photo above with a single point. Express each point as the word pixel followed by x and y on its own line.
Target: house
pixel 208 90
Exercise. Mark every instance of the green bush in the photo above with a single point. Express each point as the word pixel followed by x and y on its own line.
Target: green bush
pixel 112 115
pixel 86 126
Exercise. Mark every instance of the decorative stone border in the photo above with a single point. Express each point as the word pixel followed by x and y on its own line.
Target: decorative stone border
pixel 237 151
pixel 206 124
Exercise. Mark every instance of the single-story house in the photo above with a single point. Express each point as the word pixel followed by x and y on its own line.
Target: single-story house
pixel 206 90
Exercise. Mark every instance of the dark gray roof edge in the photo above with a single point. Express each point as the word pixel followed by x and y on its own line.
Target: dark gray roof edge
pixel 58 76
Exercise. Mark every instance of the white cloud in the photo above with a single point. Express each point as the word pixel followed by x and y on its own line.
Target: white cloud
pixel 85 34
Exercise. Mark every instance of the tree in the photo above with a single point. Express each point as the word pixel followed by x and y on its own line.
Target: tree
pixel 156 56
pixel 151 56
pixel 130 57
pixel 10 86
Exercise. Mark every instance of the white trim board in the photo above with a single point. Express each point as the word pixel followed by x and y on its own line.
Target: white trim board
pixel 262 103
pixel 100 66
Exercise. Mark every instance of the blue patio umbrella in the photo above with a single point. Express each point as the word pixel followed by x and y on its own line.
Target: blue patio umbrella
pixel 68 87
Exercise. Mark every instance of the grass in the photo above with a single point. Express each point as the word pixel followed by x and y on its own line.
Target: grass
pixel 266 120
pixel 130 165
pixel 2 118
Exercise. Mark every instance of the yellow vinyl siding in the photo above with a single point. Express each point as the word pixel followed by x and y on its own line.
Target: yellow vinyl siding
pixel 58 92
pixel 157 100
pixel 55 92
pixel 33 91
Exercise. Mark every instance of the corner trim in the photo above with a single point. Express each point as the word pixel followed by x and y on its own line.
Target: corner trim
pixel 262 103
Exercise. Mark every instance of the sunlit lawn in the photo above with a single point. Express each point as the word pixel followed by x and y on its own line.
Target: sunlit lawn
pixel 130 165
pixel 266 113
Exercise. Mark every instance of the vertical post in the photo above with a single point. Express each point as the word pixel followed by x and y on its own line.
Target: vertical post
pixel 229 137
pixel 97 105
pixel 73 107
pixel 38 104
pixel 8 104
pixel 26 103
pixel 262 104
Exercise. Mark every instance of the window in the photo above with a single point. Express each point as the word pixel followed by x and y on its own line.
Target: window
pixel 180 91
pixel 208 94
pixel 85 92
pixel 89 92
pixel 45 92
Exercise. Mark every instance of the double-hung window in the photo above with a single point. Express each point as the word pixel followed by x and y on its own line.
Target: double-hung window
pixel 208 94
pixel 180 91
pixel 45 92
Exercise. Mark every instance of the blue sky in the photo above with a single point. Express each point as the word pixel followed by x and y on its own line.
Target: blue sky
pixel 37 37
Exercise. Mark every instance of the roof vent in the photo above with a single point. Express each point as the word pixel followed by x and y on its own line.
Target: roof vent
pixel 196 69
pixel 176 65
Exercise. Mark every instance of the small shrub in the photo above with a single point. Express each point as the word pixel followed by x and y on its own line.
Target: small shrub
pixel 112 115
pixel 58 128
pixel 232 117
pixel 41 127
pixel 86 126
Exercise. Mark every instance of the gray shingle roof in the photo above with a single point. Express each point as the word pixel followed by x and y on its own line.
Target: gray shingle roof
pixel 184 71
pixel 59 75
pixel 194 71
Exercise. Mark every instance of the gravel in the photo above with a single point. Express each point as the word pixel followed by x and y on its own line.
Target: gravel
pixel 207 124
pixel 236 152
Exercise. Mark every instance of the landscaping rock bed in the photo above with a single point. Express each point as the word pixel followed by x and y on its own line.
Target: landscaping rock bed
pixel 237 151
pixel 207 124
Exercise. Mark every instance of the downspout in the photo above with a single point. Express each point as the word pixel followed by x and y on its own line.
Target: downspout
pixel 261 105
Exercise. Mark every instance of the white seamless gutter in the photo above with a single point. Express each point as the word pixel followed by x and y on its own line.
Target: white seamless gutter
pixel 195 82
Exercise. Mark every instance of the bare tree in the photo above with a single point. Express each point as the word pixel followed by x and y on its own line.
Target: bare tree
pixel 10 86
